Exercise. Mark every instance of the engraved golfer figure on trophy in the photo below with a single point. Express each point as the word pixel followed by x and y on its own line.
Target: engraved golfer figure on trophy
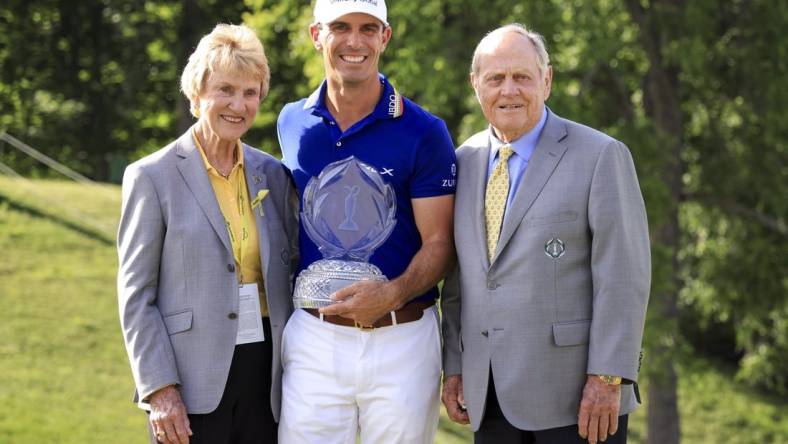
pixel 350 209
pixel 348 212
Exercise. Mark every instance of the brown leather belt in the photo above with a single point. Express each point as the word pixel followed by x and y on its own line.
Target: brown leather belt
pixel 409 313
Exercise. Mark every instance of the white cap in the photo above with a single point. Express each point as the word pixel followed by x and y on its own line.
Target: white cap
pixel 326 11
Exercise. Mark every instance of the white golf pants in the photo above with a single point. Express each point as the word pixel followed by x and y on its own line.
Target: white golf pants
pixel 339 381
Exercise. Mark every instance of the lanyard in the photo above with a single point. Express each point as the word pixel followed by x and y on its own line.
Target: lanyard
pixel 241 197
pixel 239 244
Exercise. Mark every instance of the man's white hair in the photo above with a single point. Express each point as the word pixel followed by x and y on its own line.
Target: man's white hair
pixel 536 39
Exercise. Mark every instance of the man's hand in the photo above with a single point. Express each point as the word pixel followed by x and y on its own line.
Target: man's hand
pixel 454 400
pixel 365 301
pixel 168 416
pixel 599 408
pixel 368 301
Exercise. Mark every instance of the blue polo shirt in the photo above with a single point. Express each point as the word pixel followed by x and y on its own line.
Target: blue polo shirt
pixel 410 148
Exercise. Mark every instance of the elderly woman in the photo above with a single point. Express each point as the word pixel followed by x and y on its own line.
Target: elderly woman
pixel 205 259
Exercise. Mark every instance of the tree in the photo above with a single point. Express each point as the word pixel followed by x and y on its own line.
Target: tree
pixel 82 81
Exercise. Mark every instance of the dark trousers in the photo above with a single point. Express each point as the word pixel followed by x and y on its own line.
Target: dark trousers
pixel 495 429
pixel 244 413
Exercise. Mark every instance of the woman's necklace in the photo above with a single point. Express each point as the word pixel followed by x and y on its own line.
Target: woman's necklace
pixel 213 164
pixel 221 172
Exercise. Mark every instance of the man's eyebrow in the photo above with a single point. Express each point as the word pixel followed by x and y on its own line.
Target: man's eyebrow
pixel 371 24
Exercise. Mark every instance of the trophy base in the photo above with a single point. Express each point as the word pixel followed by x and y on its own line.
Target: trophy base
pixel 315 285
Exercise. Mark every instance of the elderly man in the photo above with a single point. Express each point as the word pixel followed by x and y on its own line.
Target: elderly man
pixel 542 332
pixel 365 160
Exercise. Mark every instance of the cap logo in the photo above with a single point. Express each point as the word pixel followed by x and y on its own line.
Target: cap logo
pixel 371 2
pixel 326 11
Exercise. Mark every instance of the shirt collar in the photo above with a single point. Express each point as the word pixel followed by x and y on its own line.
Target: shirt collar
pixel 390 105
pixel 524 145
pixel 238 149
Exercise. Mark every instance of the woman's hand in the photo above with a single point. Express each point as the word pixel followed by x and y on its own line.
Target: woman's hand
pixel 168 416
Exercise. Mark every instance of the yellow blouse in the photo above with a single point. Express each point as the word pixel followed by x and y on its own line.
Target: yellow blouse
pixel 233 198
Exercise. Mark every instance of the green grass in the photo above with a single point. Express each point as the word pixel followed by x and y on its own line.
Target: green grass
pixel 716 409
pixel 93 208
pixel 64 375
pixel 63 368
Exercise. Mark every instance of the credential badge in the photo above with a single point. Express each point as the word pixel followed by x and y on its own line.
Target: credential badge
pixel 554 248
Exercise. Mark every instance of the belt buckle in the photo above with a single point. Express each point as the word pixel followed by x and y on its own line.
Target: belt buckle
pixel 362 327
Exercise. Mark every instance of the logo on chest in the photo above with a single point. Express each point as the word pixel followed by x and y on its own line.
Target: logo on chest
pixel 554 248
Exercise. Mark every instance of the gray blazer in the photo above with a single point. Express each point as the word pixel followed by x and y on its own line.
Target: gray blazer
pixel 541 324
pixel 177 286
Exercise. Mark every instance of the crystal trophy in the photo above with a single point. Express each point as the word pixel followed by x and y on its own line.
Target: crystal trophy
pixel 348 212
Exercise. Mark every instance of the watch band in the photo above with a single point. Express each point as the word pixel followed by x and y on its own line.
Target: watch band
pixel 610 380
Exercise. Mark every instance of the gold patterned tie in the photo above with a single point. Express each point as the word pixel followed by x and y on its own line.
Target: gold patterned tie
pixel 495 198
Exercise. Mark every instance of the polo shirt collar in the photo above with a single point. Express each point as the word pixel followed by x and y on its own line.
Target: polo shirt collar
pixel 390 105
pixel 524 145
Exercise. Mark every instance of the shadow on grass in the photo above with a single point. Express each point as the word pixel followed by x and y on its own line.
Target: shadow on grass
pixel 65 222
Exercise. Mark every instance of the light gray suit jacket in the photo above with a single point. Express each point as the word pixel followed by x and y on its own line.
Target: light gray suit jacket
pixel 541 324
pixel 177 286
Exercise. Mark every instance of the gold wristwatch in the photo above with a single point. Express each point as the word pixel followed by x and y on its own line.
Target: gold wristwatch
pixel 610 380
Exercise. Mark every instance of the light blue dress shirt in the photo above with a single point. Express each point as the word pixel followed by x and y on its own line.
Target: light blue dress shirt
pixel 523 148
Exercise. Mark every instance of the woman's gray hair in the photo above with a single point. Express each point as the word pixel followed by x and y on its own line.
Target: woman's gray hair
pixel 535 38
